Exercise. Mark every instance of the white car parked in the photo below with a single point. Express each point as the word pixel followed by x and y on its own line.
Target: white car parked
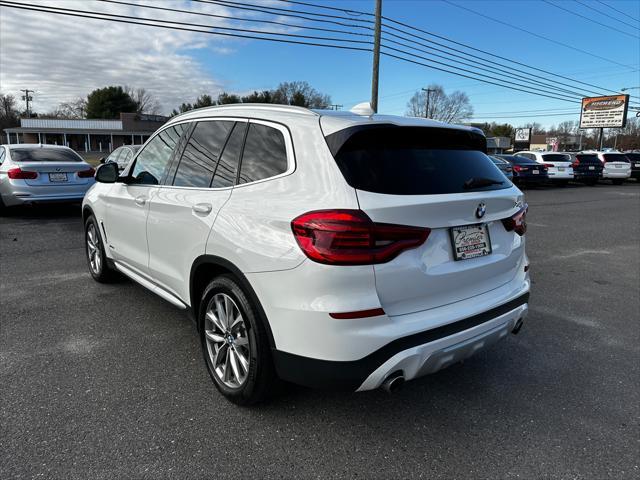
pixel 329 249
pixel 616 166
pixel 36 173
pixel 559 165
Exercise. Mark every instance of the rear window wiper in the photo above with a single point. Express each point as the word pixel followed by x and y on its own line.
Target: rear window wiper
pixel 481 182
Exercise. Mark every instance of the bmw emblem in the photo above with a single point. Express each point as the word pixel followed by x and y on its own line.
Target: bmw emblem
pixel 481 210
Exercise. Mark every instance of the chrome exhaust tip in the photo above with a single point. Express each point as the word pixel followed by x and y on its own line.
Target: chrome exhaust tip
pixel 394 382
pixel 517 326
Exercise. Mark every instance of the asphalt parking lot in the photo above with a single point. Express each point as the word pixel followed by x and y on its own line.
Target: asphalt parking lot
pixel 108 381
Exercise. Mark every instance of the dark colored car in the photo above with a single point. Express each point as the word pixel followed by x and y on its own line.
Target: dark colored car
pixel 587 168
pixel 634 158
pixel 526 171
pixel 504 166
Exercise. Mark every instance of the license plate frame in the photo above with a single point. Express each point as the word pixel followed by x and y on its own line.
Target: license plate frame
pixel 475 248
pixel 58 177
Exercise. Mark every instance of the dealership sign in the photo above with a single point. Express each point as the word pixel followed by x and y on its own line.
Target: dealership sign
pixel 604 112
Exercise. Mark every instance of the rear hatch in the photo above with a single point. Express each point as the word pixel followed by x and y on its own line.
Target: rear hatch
pixel 54 166
pixel 558 164
pixel 437 178
pixel 616 163
pixel 587 164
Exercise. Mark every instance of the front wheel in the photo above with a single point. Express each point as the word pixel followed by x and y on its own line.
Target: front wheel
pixel 96 257
pixel 235 343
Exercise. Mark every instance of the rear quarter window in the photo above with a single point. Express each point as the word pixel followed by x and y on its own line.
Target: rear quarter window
pixel 413 160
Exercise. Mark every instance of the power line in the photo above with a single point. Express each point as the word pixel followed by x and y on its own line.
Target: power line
pixel 619 11
pixel 535 34
pixel 483 52
pixel 262 9
pixel 266 9
pixel 635 27
pixel 491 69
pixel 92 15
pixel 472 78
pixel 227 17
pixel 590 19
pixel 286 10
pixel 335 9
pixel 175 22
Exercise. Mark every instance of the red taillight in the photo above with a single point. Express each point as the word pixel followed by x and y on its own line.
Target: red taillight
pixel 19 174
pixel 86 173
pixel 350 237
pixel 518 222
pixel 575 163
pixel 548 165
pixel 517 168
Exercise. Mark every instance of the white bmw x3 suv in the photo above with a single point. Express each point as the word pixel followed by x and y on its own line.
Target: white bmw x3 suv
pixel 328 249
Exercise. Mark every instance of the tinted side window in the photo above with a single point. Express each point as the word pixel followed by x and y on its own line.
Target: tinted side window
pixel 1 155
pixel 153 160
pixel 265 154
pixel 113 157
pixel 228 166
pixel 198 163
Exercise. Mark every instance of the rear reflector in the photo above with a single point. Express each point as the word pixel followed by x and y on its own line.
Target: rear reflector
pixel 350 237
pixel 87 173
pixel 374 312
pixel 19 174
pixel 517 223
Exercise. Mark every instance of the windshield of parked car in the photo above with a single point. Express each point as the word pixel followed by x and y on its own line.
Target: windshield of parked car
pixel 557 157
pixel 397 160
pixel 44 155
pixel 615 157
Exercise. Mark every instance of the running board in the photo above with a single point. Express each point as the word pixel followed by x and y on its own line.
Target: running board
pixel 151 286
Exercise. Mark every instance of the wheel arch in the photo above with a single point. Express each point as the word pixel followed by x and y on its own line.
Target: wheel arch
pixel 205 268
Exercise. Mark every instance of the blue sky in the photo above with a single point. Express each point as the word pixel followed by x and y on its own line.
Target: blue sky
pixel 63 58
pixel 346 75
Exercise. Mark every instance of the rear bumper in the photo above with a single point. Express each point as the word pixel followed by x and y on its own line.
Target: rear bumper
pixel 625 174
pixel 635 173
pixel 17 192
pixel 415 355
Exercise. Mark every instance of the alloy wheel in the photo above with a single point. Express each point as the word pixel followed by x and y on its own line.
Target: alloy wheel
pixel 93 249
pixel 227 341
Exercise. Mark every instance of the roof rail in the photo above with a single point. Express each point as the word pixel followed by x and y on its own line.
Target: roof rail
pixel 272 107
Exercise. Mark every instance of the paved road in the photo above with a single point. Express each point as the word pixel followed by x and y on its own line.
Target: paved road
pixel 108 381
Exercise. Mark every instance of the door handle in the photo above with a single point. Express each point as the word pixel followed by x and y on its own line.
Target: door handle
pixel 141 200
pixel 202 208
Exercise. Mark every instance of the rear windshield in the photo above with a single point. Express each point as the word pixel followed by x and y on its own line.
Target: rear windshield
pixel 414 160
pixel 44 155
pixel 557 157
pixel 615 157
pixel 634 157
pixel 588 158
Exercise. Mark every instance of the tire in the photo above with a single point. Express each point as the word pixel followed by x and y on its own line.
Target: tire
pixel 617 181
pixel 96 257
pixel 238 358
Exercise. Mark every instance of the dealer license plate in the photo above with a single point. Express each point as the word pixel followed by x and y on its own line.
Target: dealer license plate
pixel 57 177
pixel 561 169
pixel 535 172
pixel 470 241
pixel 592 168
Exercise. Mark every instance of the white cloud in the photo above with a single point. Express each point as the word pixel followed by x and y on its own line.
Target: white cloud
pixel 62 57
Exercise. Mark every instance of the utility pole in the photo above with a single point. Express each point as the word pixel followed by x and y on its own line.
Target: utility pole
pixel 428 90
pixel 27 98
pixel 601 139
pixel 376 57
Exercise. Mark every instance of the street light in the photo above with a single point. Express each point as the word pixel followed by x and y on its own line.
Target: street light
pixel 628 88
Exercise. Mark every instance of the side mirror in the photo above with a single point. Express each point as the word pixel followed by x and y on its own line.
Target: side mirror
pixel 103 159
pixel 107 173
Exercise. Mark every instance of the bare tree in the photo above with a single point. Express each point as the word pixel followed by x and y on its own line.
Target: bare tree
pixel 9 114
pixel 452 108
pixel 72 109
pixel 301 94
pixel 145 101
